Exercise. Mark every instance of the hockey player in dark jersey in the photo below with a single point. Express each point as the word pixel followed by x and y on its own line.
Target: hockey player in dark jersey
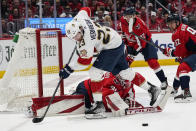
pixel 184 38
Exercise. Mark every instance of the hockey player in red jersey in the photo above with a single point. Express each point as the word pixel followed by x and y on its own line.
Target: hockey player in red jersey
pixel 131 23
pixel 112 85
pixel 184 38
pixel 117 95
pixel 88 36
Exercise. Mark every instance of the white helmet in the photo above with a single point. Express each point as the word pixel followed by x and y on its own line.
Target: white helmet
pixel 72 28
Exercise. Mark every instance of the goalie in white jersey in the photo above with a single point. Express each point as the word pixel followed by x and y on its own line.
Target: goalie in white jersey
pixel 90 36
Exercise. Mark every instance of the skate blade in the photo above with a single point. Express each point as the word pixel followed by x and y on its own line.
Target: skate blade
pixel 187 100
pixel 95 116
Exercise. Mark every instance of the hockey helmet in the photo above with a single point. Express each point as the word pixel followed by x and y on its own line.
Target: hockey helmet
pixel 130 11
pixel 72 28
pixel 173 17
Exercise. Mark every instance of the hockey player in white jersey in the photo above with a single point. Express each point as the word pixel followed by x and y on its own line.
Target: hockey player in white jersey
pixel 90 36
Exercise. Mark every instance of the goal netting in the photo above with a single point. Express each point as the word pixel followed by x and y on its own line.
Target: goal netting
pixel 33 68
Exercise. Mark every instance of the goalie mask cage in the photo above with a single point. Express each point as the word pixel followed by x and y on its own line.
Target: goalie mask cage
pixel 33 69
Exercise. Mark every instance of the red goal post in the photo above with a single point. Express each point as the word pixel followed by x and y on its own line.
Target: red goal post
pixel 39 60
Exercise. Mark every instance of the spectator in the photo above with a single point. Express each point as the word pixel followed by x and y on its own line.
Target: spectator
pixel 68 11
pixel 150 8
pixel 153 24
pixel 16 14
pixel 108 21
pixel 4 27
pixel 138 6
pixel 164 25
pixel 4 9
pixel 47 10
pixel 159 18
pixel 143 13
pixel 100 17
pixel 30 14
pixel 189 8
pixel 110 6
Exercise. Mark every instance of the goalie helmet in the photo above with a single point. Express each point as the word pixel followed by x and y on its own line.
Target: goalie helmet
pixel 72 28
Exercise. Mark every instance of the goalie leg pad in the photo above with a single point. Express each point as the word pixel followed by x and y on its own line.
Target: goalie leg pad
pixel 163 97
pixel 116 104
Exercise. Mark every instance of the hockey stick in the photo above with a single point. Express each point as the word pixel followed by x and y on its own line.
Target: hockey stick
pixel 142 110
pixel 149 42
pixel 39 119
pixel 177 59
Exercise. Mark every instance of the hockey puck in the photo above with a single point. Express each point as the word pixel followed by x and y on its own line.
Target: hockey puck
pixel 144 124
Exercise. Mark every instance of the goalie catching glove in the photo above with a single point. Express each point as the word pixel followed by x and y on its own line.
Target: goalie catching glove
pixel 65 72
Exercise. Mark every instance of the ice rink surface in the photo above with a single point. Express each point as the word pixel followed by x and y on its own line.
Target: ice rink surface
pixel 175 117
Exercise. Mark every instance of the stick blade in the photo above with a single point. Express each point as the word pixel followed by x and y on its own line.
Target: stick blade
pixel 37 120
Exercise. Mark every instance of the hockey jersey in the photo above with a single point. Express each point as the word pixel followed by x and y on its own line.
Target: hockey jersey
pixel 95 37
pixel 140 29
pixel 181 37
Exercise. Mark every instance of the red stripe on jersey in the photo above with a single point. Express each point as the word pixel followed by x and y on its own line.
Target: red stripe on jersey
pixel 85 61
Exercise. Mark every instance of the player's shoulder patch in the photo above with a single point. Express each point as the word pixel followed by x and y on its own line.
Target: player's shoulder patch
pixel 83 53
pixel 183 27
pixel 137 26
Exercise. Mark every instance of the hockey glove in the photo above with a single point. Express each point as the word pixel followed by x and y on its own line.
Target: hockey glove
pixel 178 59
pixel 130 59
pixel 65 72
pixel 168 52
pixel 132 51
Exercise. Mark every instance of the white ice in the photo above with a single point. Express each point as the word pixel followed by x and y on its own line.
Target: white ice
pixel 176 116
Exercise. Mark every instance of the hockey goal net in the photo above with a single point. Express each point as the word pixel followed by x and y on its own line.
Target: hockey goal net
pixel 33 69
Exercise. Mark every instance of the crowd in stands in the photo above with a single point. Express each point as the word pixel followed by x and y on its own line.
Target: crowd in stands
pixel 13 11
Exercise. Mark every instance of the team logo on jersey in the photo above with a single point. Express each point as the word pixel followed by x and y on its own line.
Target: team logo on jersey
pixel 83 53
pixel 183 27
pixel 137 27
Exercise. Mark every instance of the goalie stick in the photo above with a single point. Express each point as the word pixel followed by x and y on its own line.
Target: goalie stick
pixel 137 108
pixel 159 105
pixel 39 119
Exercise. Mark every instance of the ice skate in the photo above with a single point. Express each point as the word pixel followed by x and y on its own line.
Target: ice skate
pixel 154 93
pixel 174 93
pixel 164 85
pixel 96 111
pixel 184 97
